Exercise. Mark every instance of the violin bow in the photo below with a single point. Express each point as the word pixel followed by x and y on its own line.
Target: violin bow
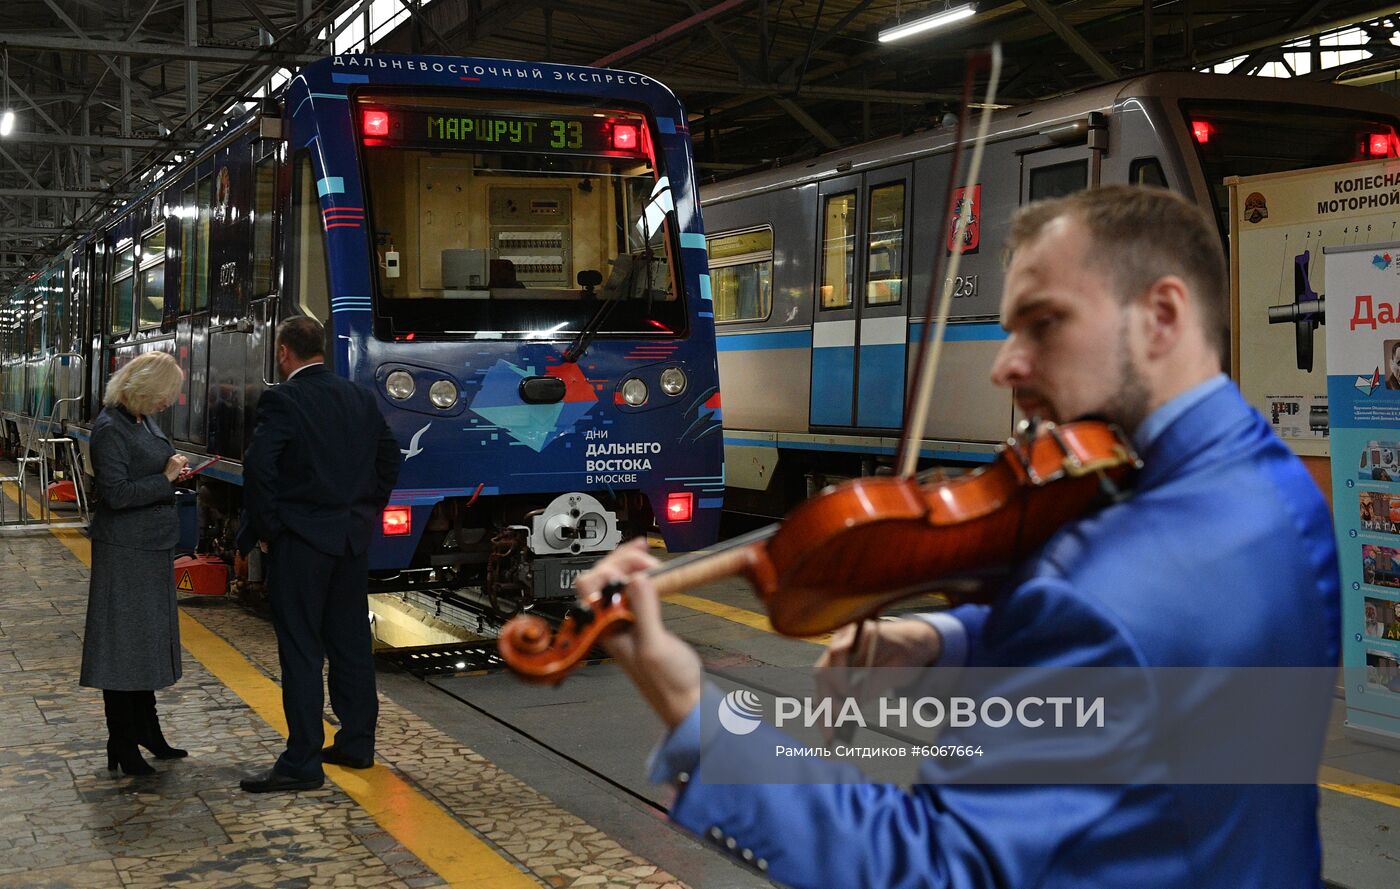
pixel 936 321
pixel 936 315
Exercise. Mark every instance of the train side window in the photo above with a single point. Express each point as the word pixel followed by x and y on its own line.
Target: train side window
pixel 1058 180
pixel 312 291
pixel 201 261
pixel 58 337
pixel 119 300
pixel 37 307
pixel 264 199
pixel 1147 171
pixel 152 291
pixel 838 250
pixel 52 297
pixel 188 258
pixel 885 257
pixel 741 275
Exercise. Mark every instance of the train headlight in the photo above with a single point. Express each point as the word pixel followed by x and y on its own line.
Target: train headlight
pixel 443 394
pixel 634 392
pixel 673 381
pixel 399 385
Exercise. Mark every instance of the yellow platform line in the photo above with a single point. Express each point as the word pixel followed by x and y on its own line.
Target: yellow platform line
pixel 457 855
pixel 405 813
pixel 736 614
pixel 1353 784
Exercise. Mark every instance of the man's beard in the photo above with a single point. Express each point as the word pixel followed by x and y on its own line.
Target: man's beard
pixel 1128 404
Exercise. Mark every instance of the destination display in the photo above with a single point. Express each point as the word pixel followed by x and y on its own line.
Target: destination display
pixel 476 130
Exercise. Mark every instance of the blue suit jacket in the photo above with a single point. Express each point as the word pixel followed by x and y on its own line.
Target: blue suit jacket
pixel 1224 556
pixel 322 464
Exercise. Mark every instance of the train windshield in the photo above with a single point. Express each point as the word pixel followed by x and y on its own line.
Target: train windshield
pixel 1262 137
pixel 527 220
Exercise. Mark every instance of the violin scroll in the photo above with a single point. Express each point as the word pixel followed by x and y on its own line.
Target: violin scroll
pixel 539 655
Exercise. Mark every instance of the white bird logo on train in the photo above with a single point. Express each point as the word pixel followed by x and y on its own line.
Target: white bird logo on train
pixel 413 450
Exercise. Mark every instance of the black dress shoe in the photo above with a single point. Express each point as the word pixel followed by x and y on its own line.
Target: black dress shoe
pixel 334 757
pixel 273 781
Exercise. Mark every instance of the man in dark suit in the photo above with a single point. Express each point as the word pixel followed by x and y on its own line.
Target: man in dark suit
pixel 318 473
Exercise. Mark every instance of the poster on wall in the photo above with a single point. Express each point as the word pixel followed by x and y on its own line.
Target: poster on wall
pixel 1281 226
pixel 1363 387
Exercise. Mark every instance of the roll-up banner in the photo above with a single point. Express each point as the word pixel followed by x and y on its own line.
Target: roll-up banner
pixel 1363 395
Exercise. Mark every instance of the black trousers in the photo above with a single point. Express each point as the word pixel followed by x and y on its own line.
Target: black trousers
pixel 320 610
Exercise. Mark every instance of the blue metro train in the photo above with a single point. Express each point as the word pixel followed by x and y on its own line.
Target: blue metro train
pixel 822 269
pixel 509 254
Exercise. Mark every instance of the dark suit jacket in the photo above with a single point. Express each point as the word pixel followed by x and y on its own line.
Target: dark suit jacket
pixel 321 464
pixel 135 501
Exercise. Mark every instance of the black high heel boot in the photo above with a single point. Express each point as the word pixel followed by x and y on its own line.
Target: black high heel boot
pixel 148 733
pixel 121 744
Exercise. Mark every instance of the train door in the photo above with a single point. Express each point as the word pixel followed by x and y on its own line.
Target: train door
pixel 882 320
pixel 88 331
pixel 1053 172
pixel 860 317
pixel 260 360
pixel 834 312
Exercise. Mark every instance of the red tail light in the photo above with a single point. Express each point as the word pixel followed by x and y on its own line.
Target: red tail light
pixel 1202 130
pixel 398 521
pixel 376 123
pixel 1378 145
pixel 679 506
pixel 624 137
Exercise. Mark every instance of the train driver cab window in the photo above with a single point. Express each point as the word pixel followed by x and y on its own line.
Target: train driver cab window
pixel 516 220
pixel 1058 180
pixel 120 290
pixel 885 259
pixel 151 300
pixel 838 250
pixel 310 288
pixel 741 275
pixel 1247 139
pixel 1147 171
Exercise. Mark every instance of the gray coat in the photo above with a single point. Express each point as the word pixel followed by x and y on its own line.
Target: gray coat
pixel 132 640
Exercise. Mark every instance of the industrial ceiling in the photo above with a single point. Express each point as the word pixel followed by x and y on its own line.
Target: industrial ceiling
pixel 107 91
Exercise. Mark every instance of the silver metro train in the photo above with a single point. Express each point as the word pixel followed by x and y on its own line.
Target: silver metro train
pixel 821 272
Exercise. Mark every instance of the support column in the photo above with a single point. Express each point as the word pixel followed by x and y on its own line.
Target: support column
pixel 125 64
pixel 191 67
pixel 1147 35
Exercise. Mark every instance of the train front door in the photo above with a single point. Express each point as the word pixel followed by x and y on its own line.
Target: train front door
pixel 860 314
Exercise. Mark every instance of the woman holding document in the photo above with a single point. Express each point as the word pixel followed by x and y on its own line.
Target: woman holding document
pixel 131 645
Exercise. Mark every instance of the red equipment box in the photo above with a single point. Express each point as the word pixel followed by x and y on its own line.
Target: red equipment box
pixel 201 576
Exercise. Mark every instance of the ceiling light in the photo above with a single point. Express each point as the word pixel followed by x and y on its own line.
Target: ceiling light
pixel 928 23
pixel 7 122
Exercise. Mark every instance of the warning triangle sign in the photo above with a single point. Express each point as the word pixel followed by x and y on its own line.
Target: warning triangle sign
pixel 185 583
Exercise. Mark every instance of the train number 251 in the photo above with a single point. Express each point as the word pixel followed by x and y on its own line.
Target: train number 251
pixel 964 285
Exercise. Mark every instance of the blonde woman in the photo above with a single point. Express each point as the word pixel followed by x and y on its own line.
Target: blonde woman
pixel 132 643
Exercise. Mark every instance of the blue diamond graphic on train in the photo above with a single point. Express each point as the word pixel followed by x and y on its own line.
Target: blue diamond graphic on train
pixel 534 425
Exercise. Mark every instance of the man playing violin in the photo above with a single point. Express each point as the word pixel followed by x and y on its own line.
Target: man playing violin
pixel 1115 307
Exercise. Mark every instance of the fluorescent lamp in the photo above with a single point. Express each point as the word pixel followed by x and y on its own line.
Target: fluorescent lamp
pixel 928 23
pixel 7 122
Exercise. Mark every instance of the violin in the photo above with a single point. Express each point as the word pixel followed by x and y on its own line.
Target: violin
pixel 853 549
pixel 810 573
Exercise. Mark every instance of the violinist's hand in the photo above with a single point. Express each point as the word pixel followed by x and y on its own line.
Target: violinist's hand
pixel 897 643
pixel 665 669
pixel 886 645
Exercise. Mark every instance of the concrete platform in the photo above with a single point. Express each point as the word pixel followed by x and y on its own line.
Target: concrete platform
pixel 433 812
pixel 480 781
